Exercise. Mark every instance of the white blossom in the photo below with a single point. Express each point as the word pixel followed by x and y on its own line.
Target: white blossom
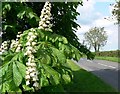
pixel 32 56
pixel 29 48
pixel 28 53
pixel 32 74
pixel 4 46
pixel 30 34
pixel 35 78
pixel 48 22
pixel 27 77
pixel 33 36
pixel 36 84
pixel 45 17
pixel 28 44
pixel 32 29
pixel 0 53
pixel 18 49
pixel 31 39
pixel 33 64
pixel 19 45
pixel 44 25
pixel 18 36
pixel 40 27
pixel 28 64
pixel 30 69
pixel 33 43
pixel 27 82
pixel 34 69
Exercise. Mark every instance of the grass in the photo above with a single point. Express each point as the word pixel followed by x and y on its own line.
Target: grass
pixel 86 82
pixel 83 81
pixel 114 59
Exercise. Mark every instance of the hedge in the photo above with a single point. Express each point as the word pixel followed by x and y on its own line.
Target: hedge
pixel 109 53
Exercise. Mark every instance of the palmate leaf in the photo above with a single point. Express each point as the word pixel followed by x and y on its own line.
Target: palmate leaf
pixel 21 68
pixel 17 77
pixel 27 11
pixel 8 58
pixel 59 55
pixel 52 75
pixel 48 54
pixel 4 87
pixel 11 73
pixel 65 73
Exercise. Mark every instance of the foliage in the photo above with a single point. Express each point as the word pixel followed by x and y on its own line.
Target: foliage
pixel 116 11
pixel 37 58
pixel 26 15
pixel 53 51
pixel 96 37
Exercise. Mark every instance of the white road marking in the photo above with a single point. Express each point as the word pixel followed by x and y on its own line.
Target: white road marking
pixel 107 65
pixel 112 67
pixel 90 61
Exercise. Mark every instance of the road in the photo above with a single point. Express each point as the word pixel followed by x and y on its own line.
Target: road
pixel 106 70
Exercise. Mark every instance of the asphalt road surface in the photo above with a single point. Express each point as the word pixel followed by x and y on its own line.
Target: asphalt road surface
pixel 106 70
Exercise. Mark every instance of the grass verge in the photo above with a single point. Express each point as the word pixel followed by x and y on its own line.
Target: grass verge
pixel 85 82
pixel 114 59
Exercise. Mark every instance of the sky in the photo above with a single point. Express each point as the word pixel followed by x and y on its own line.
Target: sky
pixel 93 14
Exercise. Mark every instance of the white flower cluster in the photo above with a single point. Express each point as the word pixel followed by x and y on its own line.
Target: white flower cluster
pixel 45 17
pixel 31 71
pixel 16 44
pixel 4 47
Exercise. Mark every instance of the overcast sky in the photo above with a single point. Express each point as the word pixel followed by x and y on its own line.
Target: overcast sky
pixel 92 14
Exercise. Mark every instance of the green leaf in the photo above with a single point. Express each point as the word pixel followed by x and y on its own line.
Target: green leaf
pixel 31 15
pixel 66 78
pixel 9 73
pixel 60 55
pixel 7 7
pixel 21 14
pixel 52 74
pixel 4 87
pixel 64 40
pixel 22 68
pixel 5 27
pixel 17 77
pixel 27 88
pixel 3 70
pixel 44 81
pixel 8 58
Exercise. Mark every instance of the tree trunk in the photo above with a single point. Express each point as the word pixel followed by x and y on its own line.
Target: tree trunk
pixel 95 47
pixel 98 48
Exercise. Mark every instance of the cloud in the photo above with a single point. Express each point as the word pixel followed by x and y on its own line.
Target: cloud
pixel 104 0
pixel 102 22
pixel 87 12
pixel 87 7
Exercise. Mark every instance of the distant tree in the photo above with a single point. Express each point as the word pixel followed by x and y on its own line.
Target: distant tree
pixel 116 11
pixel 96 38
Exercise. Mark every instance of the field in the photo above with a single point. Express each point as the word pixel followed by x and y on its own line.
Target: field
pixel 114 59
pixel 108 55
